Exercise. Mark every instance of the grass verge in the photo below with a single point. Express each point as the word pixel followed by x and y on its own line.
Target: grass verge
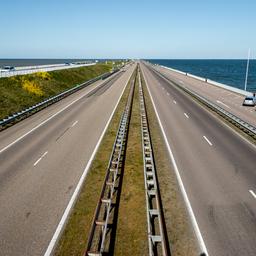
pixel 131 236
pixel 180 233
pixel 20 92
pixel 74 238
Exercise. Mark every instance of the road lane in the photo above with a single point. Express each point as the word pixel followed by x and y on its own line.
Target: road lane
pixel 217 177
pixel 226 99
pixel 33 198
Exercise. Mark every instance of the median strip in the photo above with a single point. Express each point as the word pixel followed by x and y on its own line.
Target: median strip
pixel 75 235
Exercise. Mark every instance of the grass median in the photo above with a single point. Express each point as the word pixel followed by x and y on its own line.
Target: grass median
pixel 74 238
pixel 179 229
pixel 20 92
pixel 131 236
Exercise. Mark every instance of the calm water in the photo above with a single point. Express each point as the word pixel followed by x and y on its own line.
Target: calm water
pixel 230 72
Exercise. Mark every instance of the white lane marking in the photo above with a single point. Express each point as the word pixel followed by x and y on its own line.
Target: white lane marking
pixel 44 154
pixel 162 88
pixel 74 123
pixel 220 102
pixel 66 213
pixel 207 140
pixel 182 187
pixel 252 193
pixel 181 82
pixel 168 93
pixel 186 115
pixel 45 121
pixel 174 102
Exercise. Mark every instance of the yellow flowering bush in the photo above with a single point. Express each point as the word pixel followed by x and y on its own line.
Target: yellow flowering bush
pixel 43 75
pixel 32 87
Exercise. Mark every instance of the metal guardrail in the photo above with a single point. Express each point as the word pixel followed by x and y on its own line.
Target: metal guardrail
pixel 244 126
pixel 41 105
pixel 99 241
pixel 156 236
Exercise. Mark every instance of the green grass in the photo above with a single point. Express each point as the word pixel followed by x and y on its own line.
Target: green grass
pixel 74 238
pixel 131 237
pixel 20 92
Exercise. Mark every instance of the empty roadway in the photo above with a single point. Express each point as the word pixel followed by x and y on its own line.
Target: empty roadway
pixel 39 171
pixel 217 168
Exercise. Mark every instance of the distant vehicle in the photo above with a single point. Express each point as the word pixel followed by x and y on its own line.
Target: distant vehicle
pixel 249 101
pixel 7 68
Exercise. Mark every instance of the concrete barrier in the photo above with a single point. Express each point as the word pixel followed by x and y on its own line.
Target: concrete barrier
pixel 211 82
pixel 197 77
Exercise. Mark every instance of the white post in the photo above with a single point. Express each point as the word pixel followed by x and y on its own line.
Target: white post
pixel 247 70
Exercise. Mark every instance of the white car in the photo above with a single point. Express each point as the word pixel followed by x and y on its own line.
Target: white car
pixel 7 69
pixel 249 101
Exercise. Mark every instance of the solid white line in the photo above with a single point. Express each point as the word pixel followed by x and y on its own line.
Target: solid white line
pixel 186 115
pixel 184 193
pixel 220 102
pixel 174 102
pixel 207 140
pixel 74 123
pixel 45 121
pixel 79 185
pixel 44 154
pixel 253 194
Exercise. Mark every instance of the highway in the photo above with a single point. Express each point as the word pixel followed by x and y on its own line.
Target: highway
pixel 230 101
pixel 217 167
pixel 42 159
pixel 41 68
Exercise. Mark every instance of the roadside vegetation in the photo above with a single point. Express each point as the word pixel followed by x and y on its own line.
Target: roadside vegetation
pixel 74 238
pixel 20 92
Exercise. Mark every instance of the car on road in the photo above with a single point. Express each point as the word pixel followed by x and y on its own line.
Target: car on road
pixel 7 69
pixel 249 101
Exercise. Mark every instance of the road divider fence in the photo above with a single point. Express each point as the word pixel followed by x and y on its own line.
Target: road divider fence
pixel 157 241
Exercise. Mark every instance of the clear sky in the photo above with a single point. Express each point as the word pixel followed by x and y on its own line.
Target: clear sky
pixel 128 29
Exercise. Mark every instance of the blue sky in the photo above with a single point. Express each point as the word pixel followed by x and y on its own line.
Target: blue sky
pixel 128 29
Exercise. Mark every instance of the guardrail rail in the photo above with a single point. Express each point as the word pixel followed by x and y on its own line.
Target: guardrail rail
pixel 156 235
pixel 100 236
pixel 235 120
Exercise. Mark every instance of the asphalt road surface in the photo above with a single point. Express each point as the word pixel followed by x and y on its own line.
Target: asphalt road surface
pixel 226 99
pixel 217 167
pixel 42 159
